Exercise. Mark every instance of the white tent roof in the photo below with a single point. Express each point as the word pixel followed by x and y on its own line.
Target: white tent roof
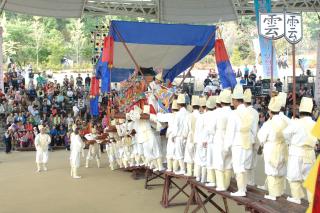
pixel 179 11
pixel 55 8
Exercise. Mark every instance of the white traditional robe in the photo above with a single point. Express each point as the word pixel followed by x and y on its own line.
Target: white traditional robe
pixel 254 132
pixel 168 118
pixel 94 149
pixel 181 128
pixel 209 131
pixel 238 138
pixel 76 147
pixel 275 150
pixel 193 133
pixel 41 143
pixel 301 148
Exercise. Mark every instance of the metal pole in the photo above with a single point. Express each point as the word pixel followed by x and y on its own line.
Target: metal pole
pixel 294 80
pixel 271 77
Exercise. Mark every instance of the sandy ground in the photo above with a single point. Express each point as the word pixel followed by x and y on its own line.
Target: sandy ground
pixel 100 190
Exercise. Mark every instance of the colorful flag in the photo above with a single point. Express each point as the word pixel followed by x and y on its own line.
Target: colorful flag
pixel 226 74
pixel 94 106
pixel 264 6
pixel 107 52
pixel 316 129
pixel 312 184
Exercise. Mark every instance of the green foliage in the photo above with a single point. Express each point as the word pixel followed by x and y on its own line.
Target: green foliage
pixel 236 59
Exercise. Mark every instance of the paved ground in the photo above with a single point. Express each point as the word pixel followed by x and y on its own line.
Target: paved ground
pixel 100 190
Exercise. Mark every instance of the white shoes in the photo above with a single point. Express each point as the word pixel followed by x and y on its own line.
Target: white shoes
pixel 45 168
pixel 221 189
pixel 181 172
pixel 210 184
pixel 169 170
pixel 198 179
pixel 76 177
pixel 269 197
pixel 238 194
pixel 294 200
pixel 263 187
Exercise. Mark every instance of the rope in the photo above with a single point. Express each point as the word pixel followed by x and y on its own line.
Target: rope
pixel 127 49
pixel 198 57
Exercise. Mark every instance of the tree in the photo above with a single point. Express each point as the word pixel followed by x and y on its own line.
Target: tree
pixel 38 33
pixel 77 38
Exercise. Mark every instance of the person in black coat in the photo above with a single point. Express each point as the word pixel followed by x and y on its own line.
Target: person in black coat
pixel 7 141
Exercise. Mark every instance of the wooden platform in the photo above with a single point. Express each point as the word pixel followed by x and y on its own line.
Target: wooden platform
pixel 201 195
pixel 22 149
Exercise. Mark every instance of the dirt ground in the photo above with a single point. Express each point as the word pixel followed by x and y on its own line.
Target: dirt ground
pixel 54 191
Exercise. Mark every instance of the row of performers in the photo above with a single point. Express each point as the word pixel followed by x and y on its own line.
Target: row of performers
pixel 212 142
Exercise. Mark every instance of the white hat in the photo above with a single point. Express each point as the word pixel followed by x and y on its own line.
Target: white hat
pixel 174 105
pixel 237 92
pixel 137 109
pixel 128 116
pixel 74 127
pixel 195 101
pixel 283 98
pixel 159 76
pixel 181 99
pixel 274 104
pixel 146 109
pixel 189 108
pixel 247 96
pixel 225 96
pixel 218 99
pixel 203 101
pixel 306 105
pixel 211 102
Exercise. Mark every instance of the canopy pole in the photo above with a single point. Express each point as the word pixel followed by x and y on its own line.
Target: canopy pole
pixel 199 55
pixel 127 49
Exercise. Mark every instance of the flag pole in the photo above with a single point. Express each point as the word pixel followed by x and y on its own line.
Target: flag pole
pixel 271 81
pixel 294 80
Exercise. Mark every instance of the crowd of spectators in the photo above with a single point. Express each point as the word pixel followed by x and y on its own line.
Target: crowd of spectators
pixel 43 101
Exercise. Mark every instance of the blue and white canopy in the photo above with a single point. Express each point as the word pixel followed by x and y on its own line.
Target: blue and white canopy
pixel 172 47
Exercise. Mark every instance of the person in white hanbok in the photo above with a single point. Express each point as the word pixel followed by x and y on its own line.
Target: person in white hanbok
pixel 238 134
pixel 94 148
pixel 222 162
pixel 76 147
pixel 204 149
pixel 41 143
pixel 181 128
pixel 254 130
pixel 301 150
pixel 168 118
pixel 275 150
pixel 190 144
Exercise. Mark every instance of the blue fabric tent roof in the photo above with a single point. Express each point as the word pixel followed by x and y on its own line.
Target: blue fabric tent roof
pixel 194 36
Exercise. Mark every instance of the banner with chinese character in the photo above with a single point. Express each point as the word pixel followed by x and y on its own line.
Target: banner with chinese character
pixel 264 6
pixel 293 27
pixel 1 60
pixel 317 85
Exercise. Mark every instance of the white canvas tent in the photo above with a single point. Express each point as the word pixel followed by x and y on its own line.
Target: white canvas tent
pixel 174 11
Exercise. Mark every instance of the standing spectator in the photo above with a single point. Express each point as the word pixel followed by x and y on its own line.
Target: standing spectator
pixel 239 73
pixel 7 141
pixel 79 80
pixel 246 73
pixel 54 136
pixel 278 85
pixel 61 134
pixel 87 82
